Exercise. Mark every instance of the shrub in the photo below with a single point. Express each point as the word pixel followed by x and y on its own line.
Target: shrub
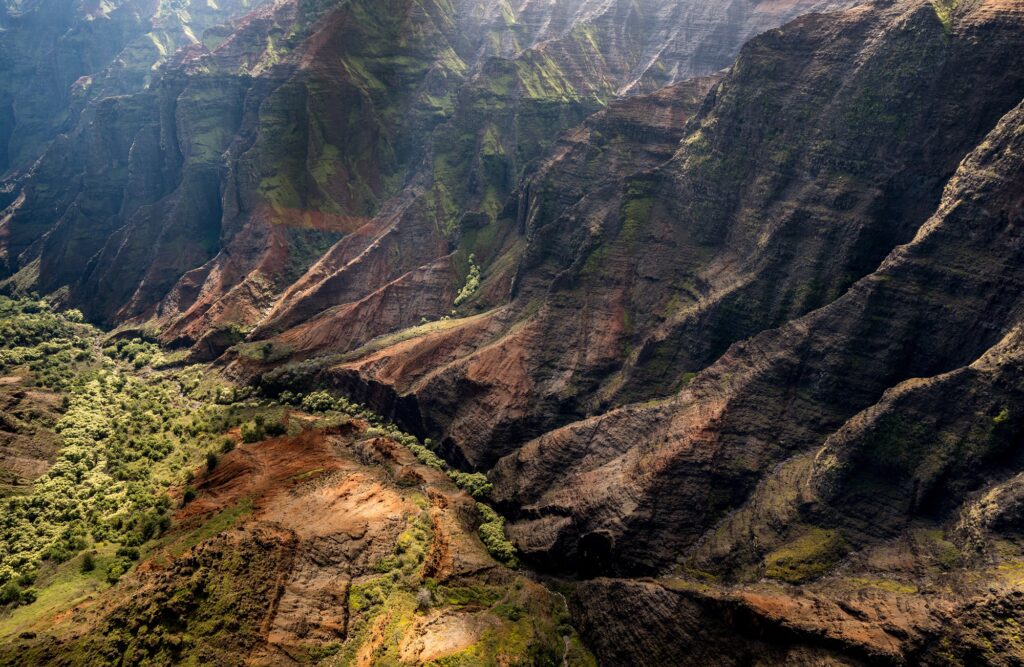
pixel 211 460
pixel 318 401
pixel 492 534
pixel 129 553
pixel 10 593
pixel 427 457
pixel 276 428
pixel 475 484
pixel 117 569
pixel 88 562
pixel 472 283
pixel 252 432
pixel 227 445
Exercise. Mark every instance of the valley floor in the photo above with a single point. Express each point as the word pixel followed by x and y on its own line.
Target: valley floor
pixel 156 515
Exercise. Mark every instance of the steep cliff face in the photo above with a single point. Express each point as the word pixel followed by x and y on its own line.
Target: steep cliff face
pixel 56 56
pixel 805 167
pixel 783 392
pixel 842 178
pixel 202 194
pixel 530 72
pixel 875 447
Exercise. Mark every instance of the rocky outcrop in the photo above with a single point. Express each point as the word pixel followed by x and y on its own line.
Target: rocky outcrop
pixel 896 476
pixel 785 391
pixel 872 622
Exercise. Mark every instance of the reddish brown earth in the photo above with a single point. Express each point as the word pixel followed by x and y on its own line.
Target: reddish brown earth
pixel 27 445
pixel 272 560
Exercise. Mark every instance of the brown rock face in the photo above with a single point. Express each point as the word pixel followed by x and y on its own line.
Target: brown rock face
pixel 783 391
pixel 622 289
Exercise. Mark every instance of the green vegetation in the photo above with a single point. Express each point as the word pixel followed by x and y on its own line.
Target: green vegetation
pixel 944 10
pixel 43 344
pixel 942 552
pixel 260 429
pixel 807 557
pixel 129 432
pixel 60 586
pixel 475 484
pixel 427 457
pixel 131 429
pixel 492 533
pixel 636 209
pixel 472 283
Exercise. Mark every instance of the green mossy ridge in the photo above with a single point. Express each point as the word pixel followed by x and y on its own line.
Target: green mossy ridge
pixel 400 81
pixel 888 585
pixel 944 10
pixel 943 553
pixel 636 212
pixel 507 116
pixel 910 445
pixel 807 557
pixel 541 78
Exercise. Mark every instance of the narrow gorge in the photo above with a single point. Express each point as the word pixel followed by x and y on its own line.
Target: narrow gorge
pixel 455 332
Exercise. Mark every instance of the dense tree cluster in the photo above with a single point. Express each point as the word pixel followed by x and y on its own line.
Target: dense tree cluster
pixel 125 441
pixel 132 429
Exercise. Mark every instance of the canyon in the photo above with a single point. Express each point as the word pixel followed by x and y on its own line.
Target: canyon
pixel 715 309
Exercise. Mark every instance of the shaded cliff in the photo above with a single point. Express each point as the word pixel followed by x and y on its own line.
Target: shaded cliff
pixel 57 56
pixel 622 290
